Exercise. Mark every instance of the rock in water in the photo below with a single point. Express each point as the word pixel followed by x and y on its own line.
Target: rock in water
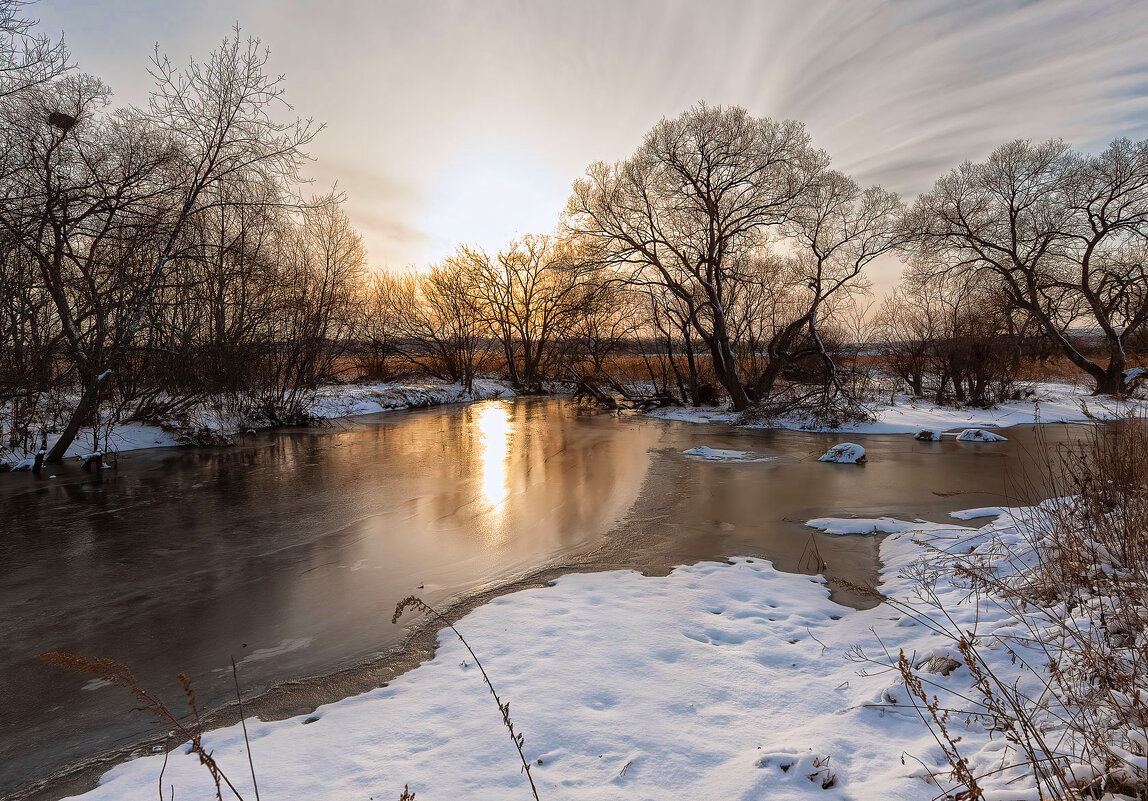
pixel 845 453
pixel 926 435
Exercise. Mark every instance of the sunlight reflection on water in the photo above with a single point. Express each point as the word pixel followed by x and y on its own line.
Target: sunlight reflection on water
pixel 494 427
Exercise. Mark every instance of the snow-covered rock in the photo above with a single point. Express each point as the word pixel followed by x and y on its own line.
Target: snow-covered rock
pixel 979 435
pixel 844 453
pixel 925 435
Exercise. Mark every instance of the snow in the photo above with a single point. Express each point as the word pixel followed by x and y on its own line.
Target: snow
pixel 691 414
pixel 709 454
pixel 1048 403
pixel 875 525
pixel 340 400
pixel 722 680
pixel 346 400
pixel 844 453
pixel 979 435
pixel 981 511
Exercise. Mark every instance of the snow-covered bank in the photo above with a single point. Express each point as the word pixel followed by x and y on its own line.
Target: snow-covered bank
pixel 347 400
pixel 1049 403
pixel 718 681
pixel 332 401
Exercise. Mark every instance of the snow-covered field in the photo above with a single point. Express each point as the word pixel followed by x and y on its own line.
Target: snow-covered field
pixel 718 681
pixel 1050 403
pixel 340 400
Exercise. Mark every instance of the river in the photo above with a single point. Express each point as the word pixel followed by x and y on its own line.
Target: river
pixel 289 551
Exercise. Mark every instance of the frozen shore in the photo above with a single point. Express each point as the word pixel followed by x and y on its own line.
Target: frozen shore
pixel 720 680
pixel 332 401
pixel 1048 403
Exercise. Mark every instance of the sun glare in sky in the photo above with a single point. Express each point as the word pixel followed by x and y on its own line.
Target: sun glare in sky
pixel 488 194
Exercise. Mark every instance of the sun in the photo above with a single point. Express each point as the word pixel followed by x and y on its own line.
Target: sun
pixel 490 193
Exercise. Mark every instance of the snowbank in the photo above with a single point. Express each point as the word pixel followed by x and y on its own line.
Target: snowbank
pixel 980 511
pixel 341 400
pixel 346 400
pixel 1049 403
pixel 875 525
pixel 720 680
pixel 690 414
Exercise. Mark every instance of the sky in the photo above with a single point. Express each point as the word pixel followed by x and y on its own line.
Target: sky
pixel 466 121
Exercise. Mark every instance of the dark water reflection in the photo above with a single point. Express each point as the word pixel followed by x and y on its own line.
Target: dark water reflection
pixel 290 551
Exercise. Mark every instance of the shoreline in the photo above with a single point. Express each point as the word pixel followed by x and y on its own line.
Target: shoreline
pixel 1049 403
pixel 1062 404
pixel 418 645
pixel 333 402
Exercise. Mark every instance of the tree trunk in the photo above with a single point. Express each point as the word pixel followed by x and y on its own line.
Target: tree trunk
pixel 726 372
pixel 1110 381
pixel 79 416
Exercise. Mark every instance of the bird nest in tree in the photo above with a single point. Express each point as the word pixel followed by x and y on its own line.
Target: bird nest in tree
pixel 65 122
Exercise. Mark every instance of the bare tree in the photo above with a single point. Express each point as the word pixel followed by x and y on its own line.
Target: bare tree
pixel 1063 234
pixel 906 329
pixel 531 294
pixel 80 182
pixel 703 188
pixel 27 58
pixel 439 318
pixel 75 189
pixel 606 322
pixel 378 327
pixel 835 232
pixel 319 269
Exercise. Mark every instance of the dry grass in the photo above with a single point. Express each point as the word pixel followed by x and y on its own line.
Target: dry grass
pixel 188 729
pixel 1072 701
pixel 414 602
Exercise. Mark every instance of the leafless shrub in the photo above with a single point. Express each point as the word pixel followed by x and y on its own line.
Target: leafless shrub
pixel 1072 575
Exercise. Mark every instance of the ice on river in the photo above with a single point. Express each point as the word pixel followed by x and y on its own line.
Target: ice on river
pixel 709 454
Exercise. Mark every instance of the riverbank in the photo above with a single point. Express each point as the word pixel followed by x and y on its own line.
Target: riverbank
pixel 205 424
pixel 1042 402
pixel 721 680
